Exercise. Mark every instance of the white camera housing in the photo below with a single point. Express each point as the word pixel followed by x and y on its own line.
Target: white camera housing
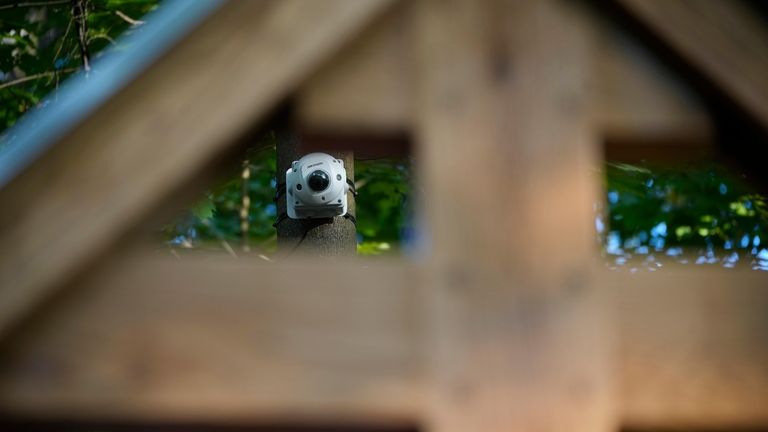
pixel 316 187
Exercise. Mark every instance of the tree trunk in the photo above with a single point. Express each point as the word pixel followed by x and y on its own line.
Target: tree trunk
pixel 329 237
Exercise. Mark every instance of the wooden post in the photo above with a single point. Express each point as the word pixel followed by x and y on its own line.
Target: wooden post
pixel 515 322
pixel 324 237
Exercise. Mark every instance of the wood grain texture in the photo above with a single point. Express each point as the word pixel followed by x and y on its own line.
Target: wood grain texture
pixel 502 327
pixel 216 339
pixel 212 339
pixel 722 39
pixel 369 87
pixel 506 145
pixel 692 350
pixel 150 139
pixel 638 100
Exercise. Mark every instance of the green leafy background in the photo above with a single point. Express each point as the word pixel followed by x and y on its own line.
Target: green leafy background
pixel 42 41
pixel 383 207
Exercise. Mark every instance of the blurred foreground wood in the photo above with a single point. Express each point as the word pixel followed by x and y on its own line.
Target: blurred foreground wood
pixel 503 131
pixel 692 349
pixel 212 339
pixel 153 338
pixel 506 323
pixel 723 41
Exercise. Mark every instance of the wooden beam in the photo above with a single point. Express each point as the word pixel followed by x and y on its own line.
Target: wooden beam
pixel 146 142
pixel 222 340
pixel 692 348
pixel 369 87
pixel 639 103
pixel 721 39
pixel 641 109
pixel 505 144
pixel 212 339
pixel 369 91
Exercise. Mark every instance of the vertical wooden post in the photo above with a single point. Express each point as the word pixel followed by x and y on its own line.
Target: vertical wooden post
pixel 505 141
pixel 323 237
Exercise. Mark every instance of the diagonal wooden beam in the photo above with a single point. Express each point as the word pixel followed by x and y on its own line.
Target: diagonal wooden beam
pixel 721 39
pixel 129 156
pixel 369 88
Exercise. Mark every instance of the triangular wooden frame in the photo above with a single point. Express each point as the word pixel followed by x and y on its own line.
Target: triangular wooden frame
pixel 478 337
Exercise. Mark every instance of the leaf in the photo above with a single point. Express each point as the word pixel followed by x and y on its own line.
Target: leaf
pixel 204 209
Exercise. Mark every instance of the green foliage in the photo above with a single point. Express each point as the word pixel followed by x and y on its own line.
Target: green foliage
pixel 652 207
pixel 372 248
pixel 217 216
pixel 39 47
pixel 700 206
pixel 382 206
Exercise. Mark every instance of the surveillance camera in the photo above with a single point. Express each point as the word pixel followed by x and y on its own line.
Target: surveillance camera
pixel 316 187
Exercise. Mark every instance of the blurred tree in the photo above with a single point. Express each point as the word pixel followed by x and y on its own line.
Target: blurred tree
pixel 648 208
pixel 383 204
pixel 244 195
pixel 700 206
pixel 43 42
pixel 216 221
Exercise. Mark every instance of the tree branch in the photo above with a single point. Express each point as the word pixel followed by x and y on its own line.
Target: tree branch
pixel 102 36
pixel 34 77
pixel 34 3
pixel 63 39
pixel 245 205
pixel 79 15
pixel 128 19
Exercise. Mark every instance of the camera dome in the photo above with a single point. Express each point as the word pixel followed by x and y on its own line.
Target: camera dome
pixel 318 181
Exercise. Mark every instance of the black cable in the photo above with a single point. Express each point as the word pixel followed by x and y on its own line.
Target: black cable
pixel 296 246
pixel 350 217
pixel 352 187
pixel 282 217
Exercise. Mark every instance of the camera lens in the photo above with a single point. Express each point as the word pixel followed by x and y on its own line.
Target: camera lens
pixel 318 181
